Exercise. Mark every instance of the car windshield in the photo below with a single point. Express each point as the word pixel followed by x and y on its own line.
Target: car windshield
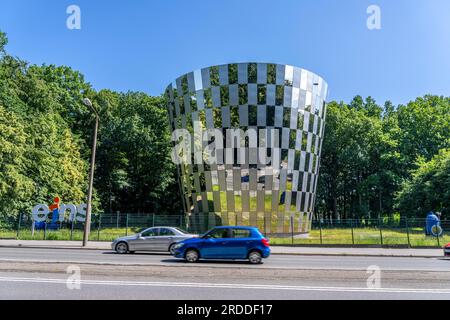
pixel 141 230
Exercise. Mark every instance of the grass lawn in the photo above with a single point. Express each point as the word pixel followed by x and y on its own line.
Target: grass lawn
pixel 367 236
pixel 107 234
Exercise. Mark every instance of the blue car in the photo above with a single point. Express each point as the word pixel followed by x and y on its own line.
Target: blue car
pixel 237 243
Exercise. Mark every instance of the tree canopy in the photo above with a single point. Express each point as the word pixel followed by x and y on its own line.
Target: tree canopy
pixel 429 187
pixel 46 138
pixel 372 154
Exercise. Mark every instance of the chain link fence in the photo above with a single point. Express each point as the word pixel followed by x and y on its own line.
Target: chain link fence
pixel 405 232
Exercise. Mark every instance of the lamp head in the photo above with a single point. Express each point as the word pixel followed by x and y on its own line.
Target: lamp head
pixel 87 102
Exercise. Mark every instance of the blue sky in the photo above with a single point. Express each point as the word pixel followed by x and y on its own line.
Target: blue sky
pixel 144 45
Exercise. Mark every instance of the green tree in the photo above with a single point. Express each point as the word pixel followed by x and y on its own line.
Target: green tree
pixel 50 153
pixel 424 129
pixel 429 188
pixel 55 163
pixel 3 42
pixel 136 173
pixel 358 165
pixel 15 186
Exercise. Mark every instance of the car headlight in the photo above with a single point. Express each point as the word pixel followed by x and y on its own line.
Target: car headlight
pixel 178 246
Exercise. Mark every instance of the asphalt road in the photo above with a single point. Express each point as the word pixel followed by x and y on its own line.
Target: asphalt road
pixel 27 273
pixel 275 261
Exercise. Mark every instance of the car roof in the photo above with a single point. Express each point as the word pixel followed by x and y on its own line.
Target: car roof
pixel 235 227
pixel 162 227
pixel 165 227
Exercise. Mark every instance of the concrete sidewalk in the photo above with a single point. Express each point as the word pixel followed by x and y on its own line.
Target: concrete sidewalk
pixel 285 250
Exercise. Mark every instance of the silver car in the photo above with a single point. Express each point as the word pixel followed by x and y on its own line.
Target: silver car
pixel 151 239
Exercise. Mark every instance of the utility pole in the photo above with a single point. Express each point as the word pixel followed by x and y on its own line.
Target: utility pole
pixel 87 224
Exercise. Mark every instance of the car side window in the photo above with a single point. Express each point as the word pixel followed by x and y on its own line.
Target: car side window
pixel 241 233
pixel 219 234
pixel 149 233
pixel 166 232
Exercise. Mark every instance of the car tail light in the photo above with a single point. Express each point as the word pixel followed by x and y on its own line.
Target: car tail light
pixel 265 242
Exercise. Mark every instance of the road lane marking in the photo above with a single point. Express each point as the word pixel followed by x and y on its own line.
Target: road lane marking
pixel 227 286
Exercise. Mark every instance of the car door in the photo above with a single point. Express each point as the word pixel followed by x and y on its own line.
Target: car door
pixel 165 237
pixel 145 241
pixel 215 244
pixel 239 243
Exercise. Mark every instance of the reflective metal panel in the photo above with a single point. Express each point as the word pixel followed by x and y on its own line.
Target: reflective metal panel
pixel 264 177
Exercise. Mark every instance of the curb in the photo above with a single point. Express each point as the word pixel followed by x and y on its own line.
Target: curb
pixel 50 247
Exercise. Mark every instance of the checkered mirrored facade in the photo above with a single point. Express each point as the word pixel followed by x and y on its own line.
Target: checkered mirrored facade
pixel 281 101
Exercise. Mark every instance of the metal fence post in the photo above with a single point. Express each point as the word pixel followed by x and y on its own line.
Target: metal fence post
pixel 98 226
pixel 320 228
pixel 126 227
pixel 18 225
pixel 117 220
pixel 265 226
pixel 437 238
pixel 381 232
pixel 407 232
pixel 33 226
pixel 45 230
pixel 71 228
pixel 353 234
pixel 153 220
pixel 292 229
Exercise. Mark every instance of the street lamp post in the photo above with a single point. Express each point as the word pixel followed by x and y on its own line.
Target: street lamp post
pixel 87 224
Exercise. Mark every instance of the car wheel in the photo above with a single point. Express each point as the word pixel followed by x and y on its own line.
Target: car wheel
pixel 255 257
pixel 171 249
pixel 122 248
pixel 192 256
